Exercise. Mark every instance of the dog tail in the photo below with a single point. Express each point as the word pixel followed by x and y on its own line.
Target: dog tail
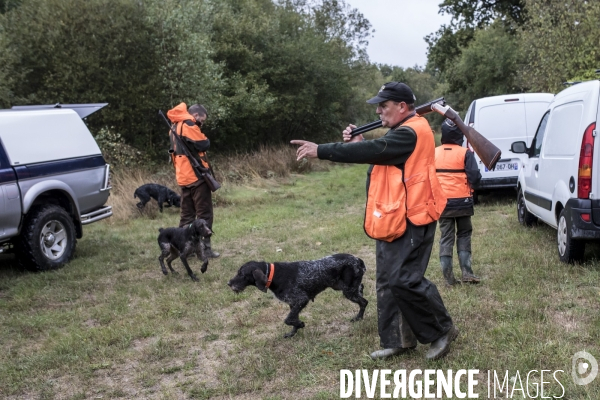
pixel 160 229
pixel 135 194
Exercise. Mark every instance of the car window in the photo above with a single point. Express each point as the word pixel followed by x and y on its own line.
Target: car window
pixel 563 131
pixel 536 145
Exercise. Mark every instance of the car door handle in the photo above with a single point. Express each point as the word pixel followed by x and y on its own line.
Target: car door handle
pixel 537 167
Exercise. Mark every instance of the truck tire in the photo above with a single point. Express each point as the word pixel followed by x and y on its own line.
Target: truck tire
pixel 47 240
pixel 569 250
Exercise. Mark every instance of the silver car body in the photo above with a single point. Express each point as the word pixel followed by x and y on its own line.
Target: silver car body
pixel 49 153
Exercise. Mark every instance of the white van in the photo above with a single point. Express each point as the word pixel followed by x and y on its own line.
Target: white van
pixel 504 120
pixel 559 182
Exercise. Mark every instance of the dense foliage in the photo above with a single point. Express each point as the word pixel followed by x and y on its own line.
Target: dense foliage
pixel 507 46
pixel 272 70
pixel 266 71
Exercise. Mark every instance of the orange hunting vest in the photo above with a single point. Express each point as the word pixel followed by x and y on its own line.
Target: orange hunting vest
pixel 450 168
pixel 414 193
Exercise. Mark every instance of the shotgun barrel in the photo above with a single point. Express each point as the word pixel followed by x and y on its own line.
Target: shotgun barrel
pixel 421 110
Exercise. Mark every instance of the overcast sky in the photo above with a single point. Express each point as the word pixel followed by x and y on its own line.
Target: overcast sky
pixel 400 26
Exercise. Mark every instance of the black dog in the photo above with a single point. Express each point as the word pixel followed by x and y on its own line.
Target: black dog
pixel 157 192
pixel 296 283
pixel 183 242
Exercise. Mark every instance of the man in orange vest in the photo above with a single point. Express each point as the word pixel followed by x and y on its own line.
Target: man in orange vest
pixel 457 172
pixel 404 202
pixel 196 197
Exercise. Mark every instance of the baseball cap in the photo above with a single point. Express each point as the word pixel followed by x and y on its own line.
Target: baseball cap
pixel 395 91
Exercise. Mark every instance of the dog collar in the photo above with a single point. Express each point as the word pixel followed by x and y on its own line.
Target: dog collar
pixel 271 268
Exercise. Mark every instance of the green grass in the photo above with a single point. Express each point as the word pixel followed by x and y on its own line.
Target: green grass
pixel 110 325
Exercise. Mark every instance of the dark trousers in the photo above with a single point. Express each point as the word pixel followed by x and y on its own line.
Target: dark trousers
pixel 404 295
pixel 463 231
pixel 196 202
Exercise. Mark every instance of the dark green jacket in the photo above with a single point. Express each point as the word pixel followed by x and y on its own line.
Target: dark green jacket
pixel 393 148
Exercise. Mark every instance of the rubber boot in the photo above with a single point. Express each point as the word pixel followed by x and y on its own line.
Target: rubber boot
pixel 446 263
pixel 208 249
pixel 464 258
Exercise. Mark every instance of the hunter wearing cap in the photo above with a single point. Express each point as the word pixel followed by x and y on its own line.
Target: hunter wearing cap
pixel 457 172
pixel 404 202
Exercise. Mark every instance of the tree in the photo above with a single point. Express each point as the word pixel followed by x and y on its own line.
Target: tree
pixel 293 61
pixel 561 43
pixel 445 45
pixel 70 51
pixel 266 71
pixel 481 13
pixel 487 67
pixel 138 57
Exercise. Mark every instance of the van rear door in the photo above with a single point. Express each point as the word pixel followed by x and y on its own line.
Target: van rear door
pixel 503 124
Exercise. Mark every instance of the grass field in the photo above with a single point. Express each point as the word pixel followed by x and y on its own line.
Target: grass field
pixel 110 325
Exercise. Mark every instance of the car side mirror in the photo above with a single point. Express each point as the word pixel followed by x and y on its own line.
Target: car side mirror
pixel 518 147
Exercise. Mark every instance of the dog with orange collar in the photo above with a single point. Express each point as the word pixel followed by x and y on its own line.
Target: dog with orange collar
pixel 296 283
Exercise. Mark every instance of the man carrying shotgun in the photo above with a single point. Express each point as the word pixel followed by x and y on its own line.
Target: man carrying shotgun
pixel 404 202
pixel 196 196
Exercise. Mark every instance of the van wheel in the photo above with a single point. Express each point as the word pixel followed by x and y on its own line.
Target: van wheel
pixel 525 217
pixel 569 250
pixel 47 240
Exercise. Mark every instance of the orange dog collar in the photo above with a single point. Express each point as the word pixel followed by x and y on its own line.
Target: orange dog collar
pixel 271 273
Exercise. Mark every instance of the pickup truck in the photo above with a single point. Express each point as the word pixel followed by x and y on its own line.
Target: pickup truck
pixel 53 180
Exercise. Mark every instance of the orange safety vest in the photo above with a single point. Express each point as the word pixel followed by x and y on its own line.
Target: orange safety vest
pixel 450 169
pixel 184 172
pixel 414 192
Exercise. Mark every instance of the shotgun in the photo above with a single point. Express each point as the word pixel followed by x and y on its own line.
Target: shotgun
pixel 421 110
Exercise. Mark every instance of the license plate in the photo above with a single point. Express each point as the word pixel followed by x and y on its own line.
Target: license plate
pixel 505 166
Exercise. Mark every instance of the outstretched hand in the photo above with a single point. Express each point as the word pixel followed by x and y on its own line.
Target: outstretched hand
pixel 306 149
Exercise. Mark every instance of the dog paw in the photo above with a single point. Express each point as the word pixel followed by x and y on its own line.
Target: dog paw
pixel 357 318
pixel 164 271
pixel 289 334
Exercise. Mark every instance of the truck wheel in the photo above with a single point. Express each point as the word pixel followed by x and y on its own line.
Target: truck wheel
pixel 569 250
pixel 47 240
pixel 525 217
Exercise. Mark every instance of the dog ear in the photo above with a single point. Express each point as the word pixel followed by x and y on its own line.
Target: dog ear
pixel 260 280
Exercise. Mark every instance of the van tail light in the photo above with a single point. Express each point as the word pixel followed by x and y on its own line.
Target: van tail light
pixel 586 160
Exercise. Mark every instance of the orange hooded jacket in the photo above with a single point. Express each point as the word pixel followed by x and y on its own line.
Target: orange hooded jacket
pixel 184 125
